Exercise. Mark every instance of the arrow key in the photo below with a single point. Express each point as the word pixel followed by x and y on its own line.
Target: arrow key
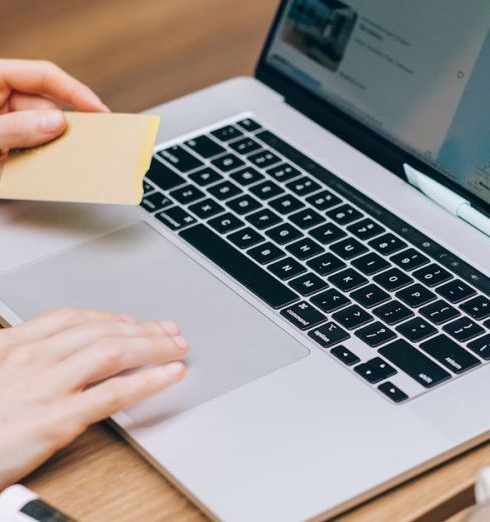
pixel 375 370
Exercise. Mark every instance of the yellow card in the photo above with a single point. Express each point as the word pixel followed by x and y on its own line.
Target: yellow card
pixel 101 158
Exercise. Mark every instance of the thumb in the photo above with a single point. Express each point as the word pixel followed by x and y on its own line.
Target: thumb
pixel 29 128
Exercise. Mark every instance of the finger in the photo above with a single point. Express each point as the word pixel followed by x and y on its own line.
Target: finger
pixel 29 102
pixel 47 79
pixel 111 356
pixel 52 322
pixel 30 128
pixel 70 340
pixel 118 393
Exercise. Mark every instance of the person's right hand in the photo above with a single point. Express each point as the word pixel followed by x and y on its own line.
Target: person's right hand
pixel 67 369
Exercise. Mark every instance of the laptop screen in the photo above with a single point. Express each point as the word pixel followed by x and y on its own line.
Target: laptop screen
pixel 416 72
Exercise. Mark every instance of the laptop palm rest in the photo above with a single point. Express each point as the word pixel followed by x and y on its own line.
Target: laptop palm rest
pixel 136 270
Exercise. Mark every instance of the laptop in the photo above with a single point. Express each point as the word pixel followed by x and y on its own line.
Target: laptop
pixel 319 232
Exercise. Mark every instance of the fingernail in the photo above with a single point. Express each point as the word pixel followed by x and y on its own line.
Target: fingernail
pixel 97 102
pixel 181 342
pixel 51 120
pixel 170 327
pixel 174 368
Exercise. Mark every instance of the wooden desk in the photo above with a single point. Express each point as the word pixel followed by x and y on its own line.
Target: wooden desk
pixel 138 54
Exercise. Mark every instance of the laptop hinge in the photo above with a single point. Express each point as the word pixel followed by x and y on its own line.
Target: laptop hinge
pixel 447 199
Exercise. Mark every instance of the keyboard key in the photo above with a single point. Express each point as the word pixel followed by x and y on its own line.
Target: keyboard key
pixel 283 172
pixel 186 194
pixel 326 264
pixel 375 334
pixel 345 355
pixel 155 201
pixel 449 354
pixel 327 234
pixel 266 253
pixel 455 291
pixel 439 312
pixel 432 275
pixel 370 264
pixel 387 244
pixel 463 329
pixel 304 249
pixel 419 367
pixel 329 335
pixel 303 315
pixel 224 190
pixel 478 307
pixel 348 280
pixel 266 190
pixel 204 146
pixel 303 186
pixel 393 312
pixel 147 188
pixel 344 214
pixel 330 300
pixel 225 223
pixel 392 392
pixel 284 233
pixel 163 176
pixel 246 176
pixel 243 204
pixel 486 324
pixel 263 219
pixel 409 259
pixel 307 284
pixel 415 295
pixel 286 204
pixel 245 146
pixel 227 133
pixel 352 317
pixel 393 279
pixel 481 347
pixel 306 218
pixel 370 295
pixel 175 218
pixel 323 200
pixel 205 177
pixel 238 266
pixel 264 159
pixel 286 268
pixel 365 229
pixel 348 248
pixel 245 238
pixel 206 208
pixel 227 162
pixel 180 159
pixel 248 125
pixel 375 370
pixel 416 329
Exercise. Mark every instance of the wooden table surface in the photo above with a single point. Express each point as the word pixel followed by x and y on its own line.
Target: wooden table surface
pixel 135 55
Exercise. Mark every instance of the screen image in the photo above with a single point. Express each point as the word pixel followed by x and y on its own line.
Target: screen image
pixel 321 30
pixel 417 73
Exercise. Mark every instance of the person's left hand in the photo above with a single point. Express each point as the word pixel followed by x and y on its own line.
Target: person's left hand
pixel 31 94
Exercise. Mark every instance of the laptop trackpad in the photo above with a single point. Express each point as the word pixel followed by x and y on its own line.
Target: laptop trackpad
pixel 136 270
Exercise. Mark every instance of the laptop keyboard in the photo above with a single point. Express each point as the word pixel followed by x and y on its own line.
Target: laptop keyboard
pixel 333 263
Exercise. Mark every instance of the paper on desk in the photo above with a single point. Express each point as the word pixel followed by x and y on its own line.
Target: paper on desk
pixel 101 158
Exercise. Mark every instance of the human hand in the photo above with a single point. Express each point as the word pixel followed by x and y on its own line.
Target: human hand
pixel 30 96
pixel 61 372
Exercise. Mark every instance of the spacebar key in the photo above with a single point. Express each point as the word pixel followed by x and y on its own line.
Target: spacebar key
pixel 238 266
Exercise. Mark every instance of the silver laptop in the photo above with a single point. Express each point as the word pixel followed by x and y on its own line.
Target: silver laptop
pixel 319 232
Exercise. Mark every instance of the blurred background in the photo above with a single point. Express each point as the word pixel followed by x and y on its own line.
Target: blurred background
pixel 139 53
